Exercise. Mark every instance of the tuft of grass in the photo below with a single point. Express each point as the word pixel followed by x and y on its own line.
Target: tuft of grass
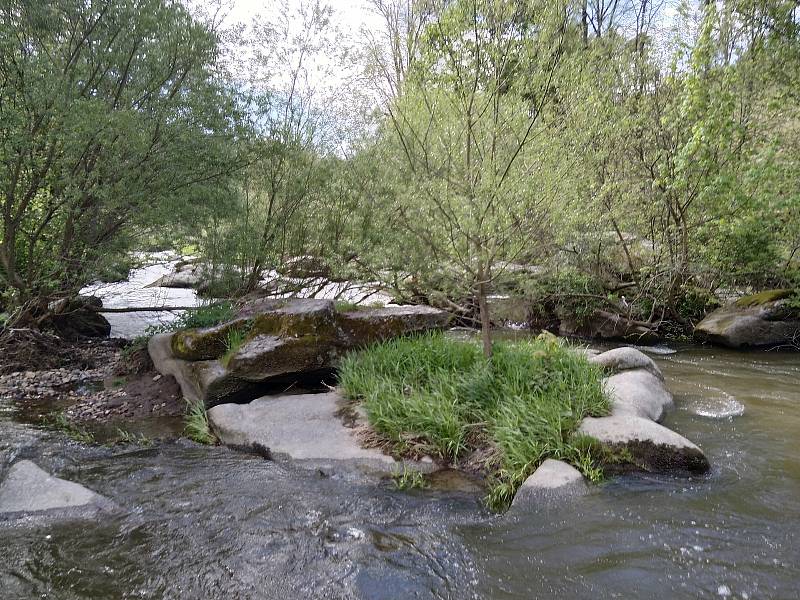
pixel 126 437
pixel 433 394
pixel 409 479
pixel 233 341
pixel 196 424
pixel 60 422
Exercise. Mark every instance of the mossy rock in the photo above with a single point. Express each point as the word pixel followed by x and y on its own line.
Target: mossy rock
pixel 765 297
pixel 207 343
pixel 372 325
pixel 277 339
pixel 295 319
pixel 764 319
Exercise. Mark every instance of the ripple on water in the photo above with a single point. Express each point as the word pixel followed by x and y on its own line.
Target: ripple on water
pixel 723 406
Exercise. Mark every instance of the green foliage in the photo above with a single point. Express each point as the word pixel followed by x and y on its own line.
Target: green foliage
pixel 408 479
pixel 113 123
pixel 196 424
pixel 567 292
pixel 126 437
pixel 207 315
pixel 436 395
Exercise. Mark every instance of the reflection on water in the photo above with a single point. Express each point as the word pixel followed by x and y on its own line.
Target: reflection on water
pixel 201 522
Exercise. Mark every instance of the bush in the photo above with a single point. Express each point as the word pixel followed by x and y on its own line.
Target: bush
pixel 436 395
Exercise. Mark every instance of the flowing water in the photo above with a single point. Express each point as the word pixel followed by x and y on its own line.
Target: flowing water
pixel 199 522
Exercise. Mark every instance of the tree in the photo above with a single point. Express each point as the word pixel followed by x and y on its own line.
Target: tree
pixel 470 110
pixel 112 121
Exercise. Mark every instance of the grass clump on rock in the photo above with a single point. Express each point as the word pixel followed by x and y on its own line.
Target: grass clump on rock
pixel 435 395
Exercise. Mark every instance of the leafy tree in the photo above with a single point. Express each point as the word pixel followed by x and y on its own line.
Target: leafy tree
pixel 112 122
pixel 469 113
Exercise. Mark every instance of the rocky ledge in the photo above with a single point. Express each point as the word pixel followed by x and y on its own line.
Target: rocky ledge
pixel 272 344
pixel 770 318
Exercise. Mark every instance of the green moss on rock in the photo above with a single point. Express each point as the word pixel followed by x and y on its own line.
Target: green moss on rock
pixel 764 298
pixel 208 343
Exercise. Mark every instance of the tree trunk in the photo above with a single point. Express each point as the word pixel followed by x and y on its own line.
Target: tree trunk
pixel 486 323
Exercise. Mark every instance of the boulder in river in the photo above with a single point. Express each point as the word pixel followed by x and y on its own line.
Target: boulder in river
pixel 553 479
pixel 636 385
pixel 624 359
pixel 28 489
pixel 302 427
pixel 638 392
pixel 188 275
pixel 277 342
pixel 651 446
pixel 305 267
pixel 769 318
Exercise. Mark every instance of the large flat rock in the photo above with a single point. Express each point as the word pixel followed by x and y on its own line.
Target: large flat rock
pixel 303 427
pixel 652 446
pixel 27 488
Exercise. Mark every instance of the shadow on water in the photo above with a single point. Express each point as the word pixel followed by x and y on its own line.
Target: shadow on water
pixel 198 522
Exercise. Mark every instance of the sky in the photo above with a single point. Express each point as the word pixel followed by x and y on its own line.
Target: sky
pixel 352 14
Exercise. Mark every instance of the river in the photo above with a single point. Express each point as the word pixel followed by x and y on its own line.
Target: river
pixel 202 522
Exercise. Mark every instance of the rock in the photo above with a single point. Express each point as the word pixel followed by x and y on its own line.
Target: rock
pixel 764 319
pixel 278 341
pixel 552 478
pixel 623 359
pixel 78 319
pixel 304 427
pixel 652 446
pixel 366 326
pixel 640 393
pixel 637 385
pixel 607 326
pixel 27 488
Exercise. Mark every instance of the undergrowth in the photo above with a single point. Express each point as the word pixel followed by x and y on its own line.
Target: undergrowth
pixel 408 479
pixel 435 395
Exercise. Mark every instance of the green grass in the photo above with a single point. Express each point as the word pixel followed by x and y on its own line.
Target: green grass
pixel 436 395
pixel 233 341
pixel 196 425
pixel 408 479
pixel 60 422
pixel 126 437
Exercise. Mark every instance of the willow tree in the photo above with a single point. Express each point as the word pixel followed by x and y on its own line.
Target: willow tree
pixel 112 121
pixel 472 107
